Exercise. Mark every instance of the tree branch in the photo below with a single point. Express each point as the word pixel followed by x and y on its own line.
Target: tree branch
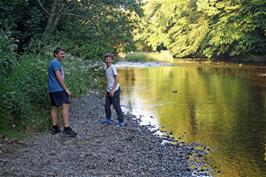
pixel 43 7
pixel 76 15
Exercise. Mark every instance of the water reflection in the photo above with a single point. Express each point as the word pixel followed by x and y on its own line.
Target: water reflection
pixel 224 108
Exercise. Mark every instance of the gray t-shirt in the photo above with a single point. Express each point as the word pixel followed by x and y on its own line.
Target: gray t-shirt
pixel 111 72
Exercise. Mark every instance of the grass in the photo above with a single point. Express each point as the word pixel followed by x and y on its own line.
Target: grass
pixel 149 56
pixel 25 103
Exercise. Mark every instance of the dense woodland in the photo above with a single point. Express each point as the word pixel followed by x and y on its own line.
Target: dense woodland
pixel 204 28
pixel 86 29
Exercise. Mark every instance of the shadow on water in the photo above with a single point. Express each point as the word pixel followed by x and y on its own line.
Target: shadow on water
pixel 222 107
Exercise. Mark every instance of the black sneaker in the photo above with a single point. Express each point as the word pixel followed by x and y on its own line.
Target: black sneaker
pixel 55 130
pixel 69 132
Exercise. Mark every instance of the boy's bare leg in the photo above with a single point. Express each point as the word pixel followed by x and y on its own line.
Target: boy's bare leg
pixel 65 114
pixel 53 115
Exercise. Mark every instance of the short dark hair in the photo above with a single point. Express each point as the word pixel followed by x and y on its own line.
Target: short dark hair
pixel 108 55
pixel 57 50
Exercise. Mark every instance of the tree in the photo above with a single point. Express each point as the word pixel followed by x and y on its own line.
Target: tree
pixel 204 28
pixel 81 25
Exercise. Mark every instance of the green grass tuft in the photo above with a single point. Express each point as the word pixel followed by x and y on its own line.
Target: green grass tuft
pixel 152 56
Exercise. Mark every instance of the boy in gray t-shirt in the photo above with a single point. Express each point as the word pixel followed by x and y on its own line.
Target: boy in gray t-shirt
pixel 112 92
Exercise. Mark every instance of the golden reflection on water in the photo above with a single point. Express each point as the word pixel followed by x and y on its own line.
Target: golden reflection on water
pixel 219 107
pixel 265 152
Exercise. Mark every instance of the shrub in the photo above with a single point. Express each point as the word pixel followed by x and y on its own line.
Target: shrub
pixel 8 59
pixel 24 96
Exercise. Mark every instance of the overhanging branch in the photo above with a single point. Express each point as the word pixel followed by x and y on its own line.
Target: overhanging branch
pixel 66 13
pixel 43 7
pixel 76 15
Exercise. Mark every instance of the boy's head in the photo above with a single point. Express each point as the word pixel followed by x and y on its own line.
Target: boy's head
pixel 59 53
pixel 108 58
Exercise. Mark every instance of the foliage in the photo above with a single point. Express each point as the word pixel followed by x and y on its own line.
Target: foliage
pixel 238 31
pixel 98 35
pixel 88 28
pixel 8 59
pixel 150 56
pixel 24 97
pixel 204 28
pixel 21 20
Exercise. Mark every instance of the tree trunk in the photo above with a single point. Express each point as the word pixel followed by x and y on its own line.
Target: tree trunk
pixel 54 16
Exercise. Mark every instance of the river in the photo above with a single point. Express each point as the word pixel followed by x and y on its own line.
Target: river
pixel 220 105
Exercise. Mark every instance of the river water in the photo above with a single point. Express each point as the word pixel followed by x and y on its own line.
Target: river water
pixel 223 107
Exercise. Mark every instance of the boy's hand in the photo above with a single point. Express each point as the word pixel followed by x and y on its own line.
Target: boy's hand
pixel 112 93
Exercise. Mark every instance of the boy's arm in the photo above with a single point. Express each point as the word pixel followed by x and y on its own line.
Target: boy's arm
pixel 62 82
pixel 114 86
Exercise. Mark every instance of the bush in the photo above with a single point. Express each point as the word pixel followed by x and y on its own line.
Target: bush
pixel 24 97
pixel 7 58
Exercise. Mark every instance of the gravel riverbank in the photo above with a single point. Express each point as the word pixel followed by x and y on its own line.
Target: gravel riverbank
pixel 100 150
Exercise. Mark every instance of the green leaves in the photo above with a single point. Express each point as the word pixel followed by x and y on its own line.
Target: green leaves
pixel 89 27
pixel 208 28
pixel 8 59
pixel 24 95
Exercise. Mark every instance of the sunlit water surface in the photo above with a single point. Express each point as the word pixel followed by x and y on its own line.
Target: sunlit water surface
pixel 221 107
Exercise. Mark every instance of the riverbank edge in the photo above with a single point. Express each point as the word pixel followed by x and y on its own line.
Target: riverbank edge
pixel 185 159
pixel 221 62
pixel 249 59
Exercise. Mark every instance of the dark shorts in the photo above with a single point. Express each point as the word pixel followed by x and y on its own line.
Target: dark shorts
pixel 58 98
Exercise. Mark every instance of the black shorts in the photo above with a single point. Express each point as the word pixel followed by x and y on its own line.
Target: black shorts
pixel 58 98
